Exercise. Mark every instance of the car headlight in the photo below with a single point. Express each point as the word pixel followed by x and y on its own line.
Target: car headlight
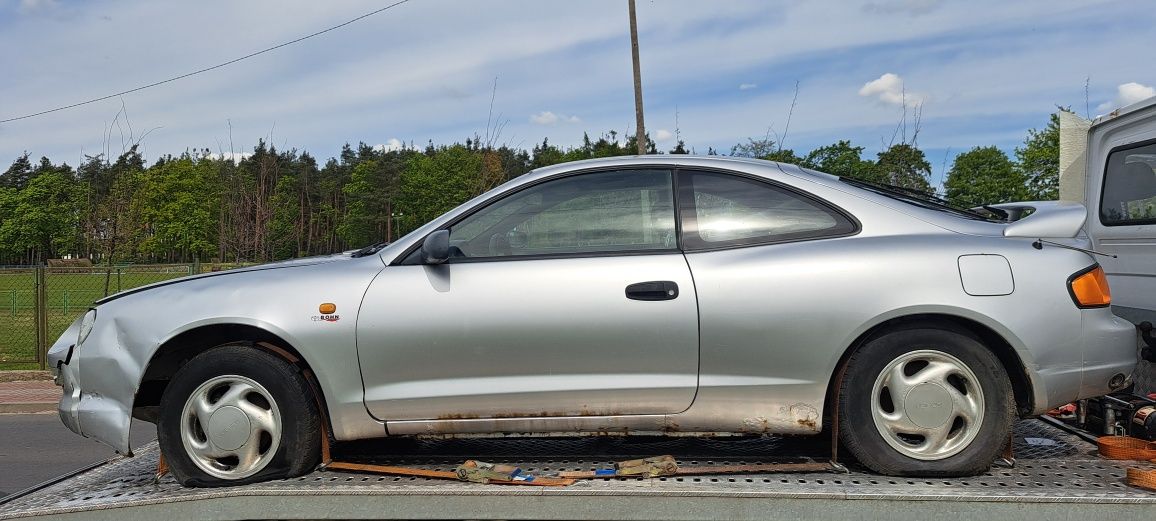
pixel 86 325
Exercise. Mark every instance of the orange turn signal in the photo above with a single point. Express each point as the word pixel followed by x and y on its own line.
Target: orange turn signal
pixel 327 308
pixel 1089 288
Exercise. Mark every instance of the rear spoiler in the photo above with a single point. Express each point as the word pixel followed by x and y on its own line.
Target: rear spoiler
pixel 1055 219
pixel 1047 218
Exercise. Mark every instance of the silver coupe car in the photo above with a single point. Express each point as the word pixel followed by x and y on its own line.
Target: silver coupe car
pixel 672 295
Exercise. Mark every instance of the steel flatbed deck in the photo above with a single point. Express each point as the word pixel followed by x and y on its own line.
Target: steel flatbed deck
pixel 1057 476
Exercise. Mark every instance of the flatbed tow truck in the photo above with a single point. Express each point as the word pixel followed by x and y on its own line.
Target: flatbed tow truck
pixel 1056 474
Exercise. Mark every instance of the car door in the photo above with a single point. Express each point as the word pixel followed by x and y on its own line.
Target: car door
pixel 569 297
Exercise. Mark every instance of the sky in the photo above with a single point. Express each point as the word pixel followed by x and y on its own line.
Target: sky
pixel 714 74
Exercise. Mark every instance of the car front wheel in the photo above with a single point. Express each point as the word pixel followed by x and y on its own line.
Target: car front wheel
pixel 925 402
pixel 235 415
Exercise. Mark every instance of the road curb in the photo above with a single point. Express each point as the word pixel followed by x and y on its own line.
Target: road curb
pixel 27 407
pixel 17 375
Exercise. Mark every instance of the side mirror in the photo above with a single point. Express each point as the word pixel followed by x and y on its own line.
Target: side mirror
pixel 436 247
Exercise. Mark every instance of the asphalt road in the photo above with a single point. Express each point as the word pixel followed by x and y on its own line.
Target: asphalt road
pixel 37 447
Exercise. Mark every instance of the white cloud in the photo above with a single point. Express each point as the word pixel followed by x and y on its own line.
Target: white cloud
pixel 663 135
pixel 549 118
pixel 392 145
pixel 544 118
pixel 890 90
pixel 747 86
pixel 1127 94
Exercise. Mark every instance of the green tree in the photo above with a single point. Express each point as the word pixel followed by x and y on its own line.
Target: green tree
pixel 177 203
pixel 631 147
pixel 842 159
pixel 765 148
pixel 370 194
pixel 904 165
pixel 754 148
pixel 983 175
pixel 607 145
pixel 1039 161
pixel 434 184
pixel 115 230
pixel 42 218
pixel 546 154
pixel 291 228
pixel 17 175
pixel 785 155
pixel 10 250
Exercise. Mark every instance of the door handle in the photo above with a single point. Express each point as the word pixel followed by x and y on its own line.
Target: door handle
pixel 653 290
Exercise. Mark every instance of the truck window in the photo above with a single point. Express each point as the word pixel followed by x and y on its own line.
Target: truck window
pixel 1129 195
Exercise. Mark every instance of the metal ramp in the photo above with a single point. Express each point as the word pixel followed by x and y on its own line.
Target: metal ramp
pixel 1058 476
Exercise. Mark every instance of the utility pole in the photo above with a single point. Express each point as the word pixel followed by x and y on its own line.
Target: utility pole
pixel 641 135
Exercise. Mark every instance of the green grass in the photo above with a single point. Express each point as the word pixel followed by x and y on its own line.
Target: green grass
pixel 68 295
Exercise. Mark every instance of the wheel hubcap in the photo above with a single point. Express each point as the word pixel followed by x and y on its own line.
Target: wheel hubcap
pixel 228 428
pixel 927 404
pixel 231 427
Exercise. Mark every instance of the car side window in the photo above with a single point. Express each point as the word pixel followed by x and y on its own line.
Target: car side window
pixel 1129 195
pixel 722 210
pixel 617 211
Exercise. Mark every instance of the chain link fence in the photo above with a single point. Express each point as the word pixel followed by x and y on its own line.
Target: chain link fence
pixel 37 304
pixel 18 329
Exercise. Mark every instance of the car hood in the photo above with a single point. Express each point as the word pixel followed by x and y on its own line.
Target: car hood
pixel 292 263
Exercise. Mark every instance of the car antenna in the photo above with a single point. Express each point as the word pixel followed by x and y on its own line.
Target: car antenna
pixel 1039 245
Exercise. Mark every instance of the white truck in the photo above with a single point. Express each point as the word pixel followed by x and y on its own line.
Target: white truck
pixel 1109 165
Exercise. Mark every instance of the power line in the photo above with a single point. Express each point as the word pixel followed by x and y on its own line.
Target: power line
pixel 207 69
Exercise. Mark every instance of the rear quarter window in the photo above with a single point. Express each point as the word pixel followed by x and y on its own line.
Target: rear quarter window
pixel 723 210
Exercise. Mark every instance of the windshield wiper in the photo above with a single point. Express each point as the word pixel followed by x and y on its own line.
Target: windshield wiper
pixel 916 197
pixel 369 250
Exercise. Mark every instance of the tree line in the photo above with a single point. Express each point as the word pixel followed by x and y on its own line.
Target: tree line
pixel 278 204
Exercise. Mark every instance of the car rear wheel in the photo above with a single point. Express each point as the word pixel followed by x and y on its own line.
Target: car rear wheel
pixel 235 415
pixel 927 402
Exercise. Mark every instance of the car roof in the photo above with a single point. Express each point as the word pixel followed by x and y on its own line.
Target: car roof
pixel 671 160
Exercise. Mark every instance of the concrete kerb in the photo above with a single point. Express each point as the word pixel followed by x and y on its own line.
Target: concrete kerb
pixel 24 376
pixel 27 392
pixel 28 408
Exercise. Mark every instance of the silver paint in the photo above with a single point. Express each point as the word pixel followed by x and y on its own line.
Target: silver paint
pixel 553 346
pixel 493 339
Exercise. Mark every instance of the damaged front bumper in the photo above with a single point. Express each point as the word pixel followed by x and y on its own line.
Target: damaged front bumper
pixel 87 413
pixel 66 374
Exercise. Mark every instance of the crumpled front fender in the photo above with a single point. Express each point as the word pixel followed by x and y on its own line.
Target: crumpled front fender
pixel 103 416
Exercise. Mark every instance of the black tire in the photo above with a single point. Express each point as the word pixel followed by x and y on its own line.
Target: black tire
pixel 857 428
pixel 299 449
